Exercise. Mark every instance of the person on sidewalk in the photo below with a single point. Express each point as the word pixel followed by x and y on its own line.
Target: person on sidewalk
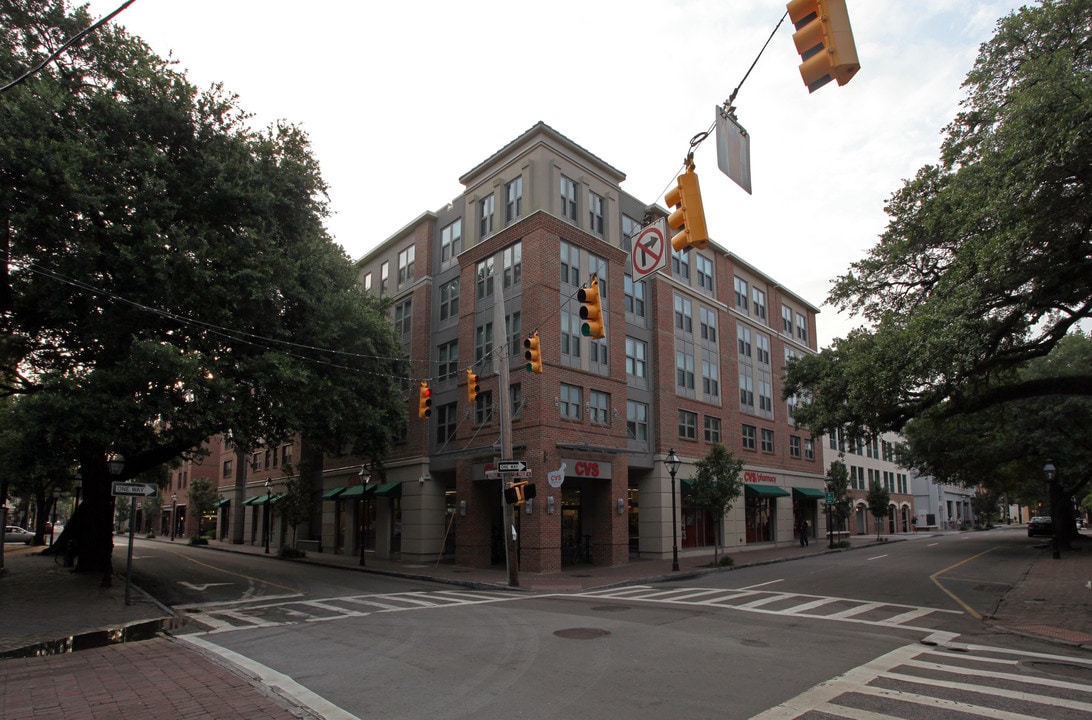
pixel 802 531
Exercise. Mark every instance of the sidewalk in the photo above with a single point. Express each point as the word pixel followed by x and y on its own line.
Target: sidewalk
pixel 45 605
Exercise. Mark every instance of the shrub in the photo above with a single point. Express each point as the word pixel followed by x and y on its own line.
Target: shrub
pixel 195 540
pixel 289 552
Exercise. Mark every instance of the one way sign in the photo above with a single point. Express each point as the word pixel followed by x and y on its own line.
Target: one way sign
pixel 134 489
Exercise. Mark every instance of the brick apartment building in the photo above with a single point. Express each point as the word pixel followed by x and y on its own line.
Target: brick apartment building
pixel 868 462
pixel 692 356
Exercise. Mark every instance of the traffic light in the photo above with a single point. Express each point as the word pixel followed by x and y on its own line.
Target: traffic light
pixel 532 354
pixel 471 386
pixel 824 40
pixel 424 402
pixel 518 493
pixel 592 311
pixel 689 215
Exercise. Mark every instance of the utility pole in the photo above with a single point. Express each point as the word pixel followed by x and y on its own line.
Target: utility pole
pixel 511 544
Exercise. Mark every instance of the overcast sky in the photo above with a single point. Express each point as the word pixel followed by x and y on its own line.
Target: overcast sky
pixel 401 98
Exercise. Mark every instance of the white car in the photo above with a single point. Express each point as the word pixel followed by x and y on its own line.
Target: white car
pixel 14 533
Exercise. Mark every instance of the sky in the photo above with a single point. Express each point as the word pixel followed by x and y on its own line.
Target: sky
pixel 401 99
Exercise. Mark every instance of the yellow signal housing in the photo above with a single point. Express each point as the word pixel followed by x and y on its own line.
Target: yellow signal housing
pixel 471 386
pixel 592 310
pixel 532 353
pixel 424 401
pixel 824 39
pixel 689 215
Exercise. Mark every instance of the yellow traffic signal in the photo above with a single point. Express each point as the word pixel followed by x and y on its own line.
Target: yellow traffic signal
pixel 532 354
pixel 689 215
pixel 824 40
pixel 471 386
pixel 424 401
pixel 520 492
pixel 592 311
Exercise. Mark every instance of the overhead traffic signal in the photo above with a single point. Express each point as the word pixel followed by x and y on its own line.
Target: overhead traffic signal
pixel 592 310
pixel 520 492
pixel 424 401
pixel 824 40
pixel 471 386
pixel 689 215
pixel 532 354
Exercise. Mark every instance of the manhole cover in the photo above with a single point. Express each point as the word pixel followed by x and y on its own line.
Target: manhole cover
pixel 1061 669
pixel 610 608
pixel 581 633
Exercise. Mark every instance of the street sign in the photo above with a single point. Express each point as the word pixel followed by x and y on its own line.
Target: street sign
pixel 512 465
pixel 649 252
pixel 830 498
pixel 134 489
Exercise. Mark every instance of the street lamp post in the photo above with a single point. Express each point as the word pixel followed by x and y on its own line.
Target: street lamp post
pixel 672 463
pixel 56 499
pixel 830 516
pixel 174 503
pixel 1051 473
pixel 365 478
pixel 268 500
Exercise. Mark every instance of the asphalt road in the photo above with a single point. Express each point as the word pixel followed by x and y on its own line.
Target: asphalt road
pixel 890 630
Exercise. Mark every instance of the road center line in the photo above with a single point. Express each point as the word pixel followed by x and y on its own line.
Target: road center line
pixel 970 611
pixel 878 557
pixel 245 577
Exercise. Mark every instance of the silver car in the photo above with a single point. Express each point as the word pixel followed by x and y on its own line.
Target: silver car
pixel 14 533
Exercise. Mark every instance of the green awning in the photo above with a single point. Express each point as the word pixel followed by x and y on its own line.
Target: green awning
pixel 223 501
pixel 686 485
pixel 357 491
pixel 262 499
pixel 764 490
pixel 809 493
pixel 390 489
pixel 250 501
pixel 332 494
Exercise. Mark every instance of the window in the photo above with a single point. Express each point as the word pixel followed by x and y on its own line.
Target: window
pixel 762 348
pixel 794 446
pixel 704 267
pixel 637 420
pixel 765 393
pixel 484 274
pixel 448 360
pixel 451 241
pixel 684 312
pixel 512 264
pixel 367 282
pixel 513 200
pixel 749 437
pixel 598 353
pixel 599 407
pixel 710 378
pixel 384 275
pixel 447 421
pixel 684 370
pixel 746 392
pixel 786 320
pixel 569 402
pixel 743 338
pixel 403 316
pixel 513 324
pixel 483 407
pixel 688 425
pixel 630 229
pixel 570 264
pixel 483 346
pixel 449 300
pixel 485 216
pixel 595 213
pixel 636 358
pixel 286 455
pixel 405 265
pixel 568 198
pixel 708 324
pixel 635 296
pixel 680 264
pixel 515 397
pixel 767 440
pixel 712 429
pixel 801 328
pixel 758 299
pixel 570 334
pixel 227 468
pixel 741 293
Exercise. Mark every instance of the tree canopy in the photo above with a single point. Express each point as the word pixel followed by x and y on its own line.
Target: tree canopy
pixel 169 275
pixel 986 262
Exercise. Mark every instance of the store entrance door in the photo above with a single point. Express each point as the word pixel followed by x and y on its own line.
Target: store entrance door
pixel 575 543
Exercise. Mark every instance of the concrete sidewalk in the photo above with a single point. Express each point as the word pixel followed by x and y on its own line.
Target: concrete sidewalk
pixel 48 609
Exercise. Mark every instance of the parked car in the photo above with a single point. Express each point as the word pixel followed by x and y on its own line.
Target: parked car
pixel 1040 526
pixel 14 533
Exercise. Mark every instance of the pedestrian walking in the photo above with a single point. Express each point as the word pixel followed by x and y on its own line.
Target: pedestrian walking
pixel 802 531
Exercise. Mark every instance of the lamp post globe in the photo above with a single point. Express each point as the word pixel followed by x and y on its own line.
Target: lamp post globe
pixel 672 462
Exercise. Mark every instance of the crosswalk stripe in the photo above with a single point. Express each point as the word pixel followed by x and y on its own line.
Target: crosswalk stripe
pixel 858 610
pixel 1013 677
pixel 996 691
pixel 937 702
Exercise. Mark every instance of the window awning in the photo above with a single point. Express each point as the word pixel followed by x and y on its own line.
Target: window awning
pixel 686 484
pixel 250 501
pixel 391 489
pixel 764 490
pixel 809 493
pixel 262 499
pixel 332 494
pixel 357 491
pixel 223 501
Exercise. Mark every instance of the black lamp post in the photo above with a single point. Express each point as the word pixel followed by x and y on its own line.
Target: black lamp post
pixel 672 463
pixel 174 503
pixel 56 499
pixel 268 501
pixel 1051 473
pixel 365 477
pixel 830 516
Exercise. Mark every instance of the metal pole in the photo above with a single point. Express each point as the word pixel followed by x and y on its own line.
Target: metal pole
pixel 129 561
pixel 511 547
pixel 268 499
pixel 674 527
